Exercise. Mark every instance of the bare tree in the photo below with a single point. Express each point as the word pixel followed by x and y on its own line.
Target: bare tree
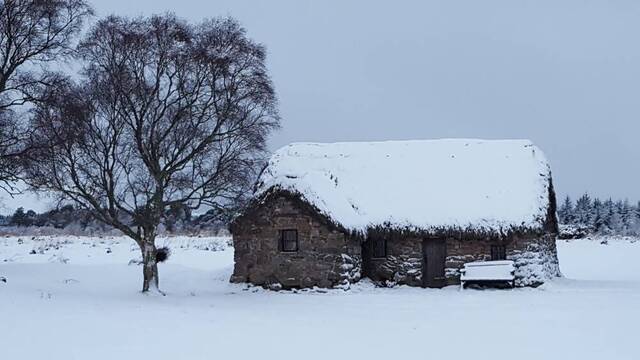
pixel 166 113
pixel 33 33
pixel 12 138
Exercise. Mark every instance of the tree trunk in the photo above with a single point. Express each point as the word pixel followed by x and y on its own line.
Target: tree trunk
pixel 150 266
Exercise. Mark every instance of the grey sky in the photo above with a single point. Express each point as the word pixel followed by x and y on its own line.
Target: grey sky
pixel 565 74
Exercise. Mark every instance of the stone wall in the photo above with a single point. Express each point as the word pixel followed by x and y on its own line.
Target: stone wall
pixel 461 251
pixel 326 257
pixel 534 255
pixel 535 258
pixel 329 257
pixel 402 265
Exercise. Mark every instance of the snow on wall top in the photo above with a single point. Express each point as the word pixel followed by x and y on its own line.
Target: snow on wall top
pixel 489 185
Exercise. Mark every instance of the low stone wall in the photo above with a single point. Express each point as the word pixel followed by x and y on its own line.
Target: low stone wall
pixel 328 257
pixel 325 257
pixel 403 264
pixel 535 258
pixel 461 251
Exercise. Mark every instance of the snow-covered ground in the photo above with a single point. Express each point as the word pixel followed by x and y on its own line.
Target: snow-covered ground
pixel 77 298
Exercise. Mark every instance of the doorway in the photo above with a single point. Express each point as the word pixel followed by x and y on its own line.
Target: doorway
pixel 434 253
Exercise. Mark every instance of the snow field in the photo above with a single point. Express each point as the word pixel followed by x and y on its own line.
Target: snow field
pixel 77 298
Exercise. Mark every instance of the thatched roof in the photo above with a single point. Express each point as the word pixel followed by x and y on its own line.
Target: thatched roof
pixel 471 185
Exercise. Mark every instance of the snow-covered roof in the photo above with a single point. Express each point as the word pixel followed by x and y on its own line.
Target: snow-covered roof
pixel 490 185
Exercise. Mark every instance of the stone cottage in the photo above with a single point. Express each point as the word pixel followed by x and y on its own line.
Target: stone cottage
pixel 397 212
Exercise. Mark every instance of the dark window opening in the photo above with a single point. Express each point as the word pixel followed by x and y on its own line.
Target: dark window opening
pixel 379 248
pixel 289 240
pixel 498 252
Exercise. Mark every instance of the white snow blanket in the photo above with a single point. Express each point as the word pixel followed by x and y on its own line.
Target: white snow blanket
pixel 78 299
pixel 488 185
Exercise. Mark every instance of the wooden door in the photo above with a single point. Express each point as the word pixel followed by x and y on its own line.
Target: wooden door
pixel 367 266
pixel 434 252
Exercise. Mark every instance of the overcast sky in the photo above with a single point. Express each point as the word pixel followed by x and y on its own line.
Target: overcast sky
pixel 565 74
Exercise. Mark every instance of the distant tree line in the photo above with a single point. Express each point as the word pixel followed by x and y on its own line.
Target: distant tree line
pixel 604 217
pixel 71 220
pixel 59 218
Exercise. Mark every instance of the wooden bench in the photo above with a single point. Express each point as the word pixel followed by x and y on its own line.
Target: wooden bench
pixel 488 272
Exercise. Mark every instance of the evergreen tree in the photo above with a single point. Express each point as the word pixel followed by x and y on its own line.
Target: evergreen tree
pixel 583 210
pixel 598 219
pixel 19 218
pixel 565 213
pixel 609 217
pixel 626 218
pixel 30 217
pixel 616 219
pixel 635 219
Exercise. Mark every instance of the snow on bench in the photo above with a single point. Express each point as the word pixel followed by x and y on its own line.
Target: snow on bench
pixel 488 272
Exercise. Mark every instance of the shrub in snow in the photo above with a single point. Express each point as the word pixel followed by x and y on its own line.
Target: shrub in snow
pixel 572 232
pixel 536 264
pixel 350 271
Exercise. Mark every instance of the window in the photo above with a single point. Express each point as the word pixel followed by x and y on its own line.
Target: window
pixel 289 240
pixel 498 252
pixel 379 248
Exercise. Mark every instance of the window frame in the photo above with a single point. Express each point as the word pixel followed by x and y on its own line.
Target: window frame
pixel 374 254
pixel 498 252
pixel 282 241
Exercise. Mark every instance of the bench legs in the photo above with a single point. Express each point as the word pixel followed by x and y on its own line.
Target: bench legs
pixel 512 283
